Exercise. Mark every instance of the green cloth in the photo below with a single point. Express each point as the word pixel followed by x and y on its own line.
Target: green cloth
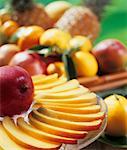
pixel 121 91
pixel 114 21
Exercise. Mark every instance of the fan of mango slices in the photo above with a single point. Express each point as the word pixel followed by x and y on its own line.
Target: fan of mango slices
pixel 63 112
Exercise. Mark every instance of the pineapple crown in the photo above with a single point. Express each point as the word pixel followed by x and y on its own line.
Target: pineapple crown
pixel 21 5
pixel 97 6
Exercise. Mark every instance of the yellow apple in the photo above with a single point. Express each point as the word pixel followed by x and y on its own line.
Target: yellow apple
pixel 117 115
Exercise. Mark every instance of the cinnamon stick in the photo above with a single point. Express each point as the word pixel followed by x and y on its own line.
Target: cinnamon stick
pixel 85 80
pixel 109 85
pixel 104 79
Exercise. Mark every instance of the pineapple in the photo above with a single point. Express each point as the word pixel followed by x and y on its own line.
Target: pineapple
pixel 79 20
pixel 26 12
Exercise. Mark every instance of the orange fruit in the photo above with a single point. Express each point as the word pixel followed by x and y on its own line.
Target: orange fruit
pixel 9 27
pixel 31 37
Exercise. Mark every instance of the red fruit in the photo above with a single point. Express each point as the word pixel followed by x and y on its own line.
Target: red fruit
pixel 16 90
pixel 7 51
pixel 111 55
pixel 51 59
pixel 30 62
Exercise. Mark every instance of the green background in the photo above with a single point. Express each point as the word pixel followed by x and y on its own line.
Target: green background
pixel 114 20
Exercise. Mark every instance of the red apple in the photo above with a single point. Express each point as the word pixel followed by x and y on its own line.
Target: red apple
pixel 16 90
pixel 30 62
pixel 111 55
pixel 51 59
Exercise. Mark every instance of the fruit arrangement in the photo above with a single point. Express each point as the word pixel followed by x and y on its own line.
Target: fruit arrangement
pixel 43 112
pixel 61 111
pixel 56 14
pixel 65 47
pixel 42 104
pixel 55 51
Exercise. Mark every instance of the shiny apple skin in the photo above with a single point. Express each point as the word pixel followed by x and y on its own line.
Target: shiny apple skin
pixel 110 55
pixel 51 59
pixel 30 62
pixel 16 90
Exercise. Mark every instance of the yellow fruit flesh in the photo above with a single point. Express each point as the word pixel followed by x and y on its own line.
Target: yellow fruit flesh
pixel 2 148
pixel 66 123
pixel 24 139
pixel 71 117
pixel 44 79
pixel 70 85
pixel 83 110
pixel 38 77
pixel 57 82
pixel 69 133
pixel 62 95
pixel 86 98
pixel 6 143
pixel 41 134
pixel 66 105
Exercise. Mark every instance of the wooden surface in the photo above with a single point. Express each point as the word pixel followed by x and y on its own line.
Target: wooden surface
pixel 100 146
pixel 105 82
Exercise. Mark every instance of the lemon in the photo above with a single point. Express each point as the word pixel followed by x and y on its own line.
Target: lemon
pixel 85 63
pixel 56 37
